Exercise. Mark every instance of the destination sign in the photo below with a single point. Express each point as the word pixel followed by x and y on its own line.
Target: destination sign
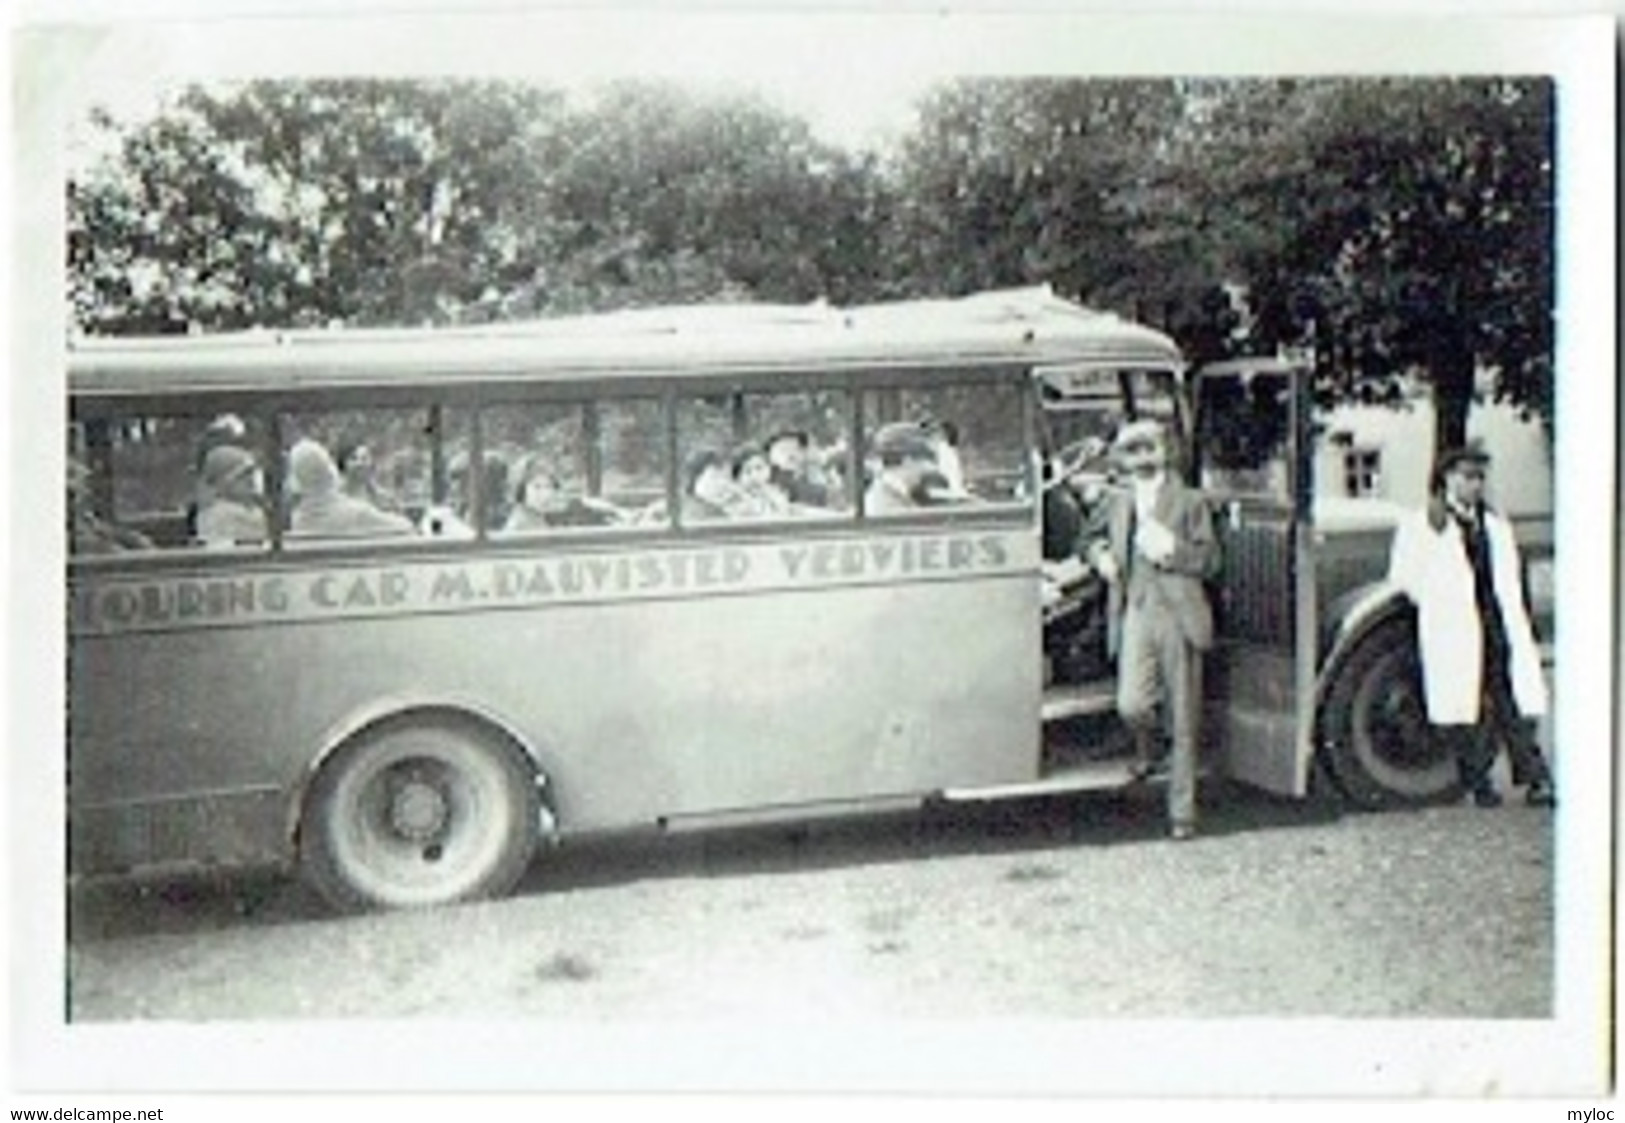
pixel 1082 381
pixel 101 607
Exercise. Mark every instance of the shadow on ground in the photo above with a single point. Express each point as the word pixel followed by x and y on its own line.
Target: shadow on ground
pixel 129 908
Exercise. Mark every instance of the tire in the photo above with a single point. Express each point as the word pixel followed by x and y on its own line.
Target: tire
pixel 419 813
pixel 1375 730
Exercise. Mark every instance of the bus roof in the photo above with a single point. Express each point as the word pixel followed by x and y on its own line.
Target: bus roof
pixel 1017 326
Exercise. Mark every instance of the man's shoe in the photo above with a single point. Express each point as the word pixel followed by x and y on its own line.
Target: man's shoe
pixel 1486 797
pixel 1182 832
pixel 1540 794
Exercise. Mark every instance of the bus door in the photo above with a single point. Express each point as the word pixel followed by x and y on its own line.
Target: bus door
pixel 1251 428
pixel 1081 408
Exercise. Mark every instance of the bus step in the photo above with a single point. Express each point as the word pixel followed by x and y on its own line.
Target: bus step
pixel 1112 774
pixel 1089 700
pixel 1085 776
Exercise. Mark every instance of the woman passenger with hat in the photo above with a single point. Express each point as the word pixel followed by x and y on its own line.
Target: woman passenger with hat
pixel 1458 561
pixel 907 463
pixel 231 509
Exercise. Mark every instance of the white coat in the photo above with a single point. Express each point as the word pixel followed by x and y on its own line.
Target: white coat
pixel 1431 567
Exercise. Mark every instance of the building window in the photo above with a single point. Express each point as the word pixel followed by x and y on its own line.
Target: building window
pixel 1362 472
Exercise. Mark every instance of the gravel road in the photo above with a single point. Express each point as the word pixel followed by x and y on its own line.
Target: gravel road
pixel 1062 907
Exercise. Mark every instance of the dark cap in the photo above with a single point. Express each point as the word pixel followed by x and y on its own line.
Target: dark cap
pixel 1452 458
pixel 225 463
pixel 1470 453
pixel 799 436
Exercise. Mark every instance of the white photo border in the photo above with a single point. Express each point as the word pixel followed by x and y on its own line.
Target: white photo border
pixel 59 70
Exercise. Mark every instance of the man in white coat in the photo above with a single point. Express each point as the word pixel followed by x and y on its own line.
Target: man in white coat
pixel 1458 561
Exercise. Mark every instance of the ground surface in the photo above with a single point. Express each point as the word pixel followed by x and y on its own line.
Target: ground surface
pixel 1066 908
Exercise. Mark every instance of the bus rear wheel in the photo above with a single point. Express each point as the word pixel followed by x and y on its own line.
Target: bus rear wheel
pixel 1376 740
pixel 419 813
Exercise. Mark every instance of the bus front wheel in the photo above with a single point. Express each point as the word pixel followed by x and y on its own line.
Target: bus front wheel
pixel 419 813
pixel 1376 736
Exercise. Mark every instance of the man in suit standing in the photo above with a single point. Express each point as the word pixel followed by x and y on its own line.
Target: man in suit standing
pixel 1159 548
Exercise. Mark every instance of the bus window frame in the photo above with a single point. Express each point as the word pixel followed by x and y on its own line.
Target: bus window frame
pixel 1019 377
pixel 1298 452
pixel 434 409
pixel 848 383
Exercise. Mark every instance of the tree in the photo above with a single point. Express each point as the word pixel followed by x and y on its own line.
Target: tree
pixel 281 203
pixel 1094 187
pixel 1402 226
pixel 1407 224
pixel 1014 181
pixel 727 189
pixel 287 203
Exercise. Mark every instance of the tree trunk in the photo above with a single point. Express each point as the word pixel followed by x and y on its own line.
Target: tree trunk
pixel 1452 376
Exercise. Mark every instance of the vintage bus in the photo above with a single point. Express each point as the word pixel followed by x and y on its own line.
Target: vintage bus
pixel 397 606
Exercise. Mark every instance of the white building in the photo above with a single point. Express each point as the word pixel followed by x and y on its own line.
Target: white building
pixel 1387 453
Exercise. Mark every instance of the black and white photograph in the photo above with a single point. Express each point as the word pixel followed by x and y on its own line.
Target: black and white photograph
pixel 917 552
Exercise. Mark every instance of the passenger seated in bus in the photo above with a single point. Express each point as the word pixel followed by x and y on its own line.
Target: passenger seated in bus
pixel 905 464
pixel 89 532
pixel 359 474
pixel 708 487
pixel 226 430
pixel 321 510
pixel 756 496
pixel 827 469
pixel 944 437
pixel 789 456
pixel 233 510
pixel 1074 489
pixel 541 503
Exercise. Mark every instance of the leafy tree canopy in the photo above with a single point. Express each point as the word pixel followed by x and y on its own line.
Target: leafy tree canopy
pixel 1402 227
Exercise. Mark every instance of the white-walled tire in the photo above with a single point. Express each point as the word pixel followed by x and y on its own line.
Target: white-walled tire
pixel 416 813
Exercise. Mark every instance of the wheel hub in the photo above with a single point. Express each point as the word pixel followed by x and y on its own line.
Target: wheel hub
pixel 417 810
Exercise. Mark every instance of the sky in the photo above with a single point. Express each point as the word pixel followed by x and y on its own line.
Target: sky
pixel 854 89
pixel 854 74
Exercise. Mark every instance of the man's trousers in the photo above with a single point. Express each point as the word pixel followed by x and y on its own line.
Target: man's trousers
pixel 1156 663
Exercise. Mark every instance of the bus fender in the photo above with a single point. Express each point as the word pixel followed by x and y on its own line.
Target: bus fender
pixel 402 707
pixel 1348 621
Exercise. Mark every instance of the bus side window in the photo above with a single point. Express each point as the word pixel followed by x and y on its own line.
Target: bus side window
pixel 168 482
pixel 554 479
pixel 974 432
pixel 627 458
pixel 764 457
pixel 375 474
pixel 91 527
